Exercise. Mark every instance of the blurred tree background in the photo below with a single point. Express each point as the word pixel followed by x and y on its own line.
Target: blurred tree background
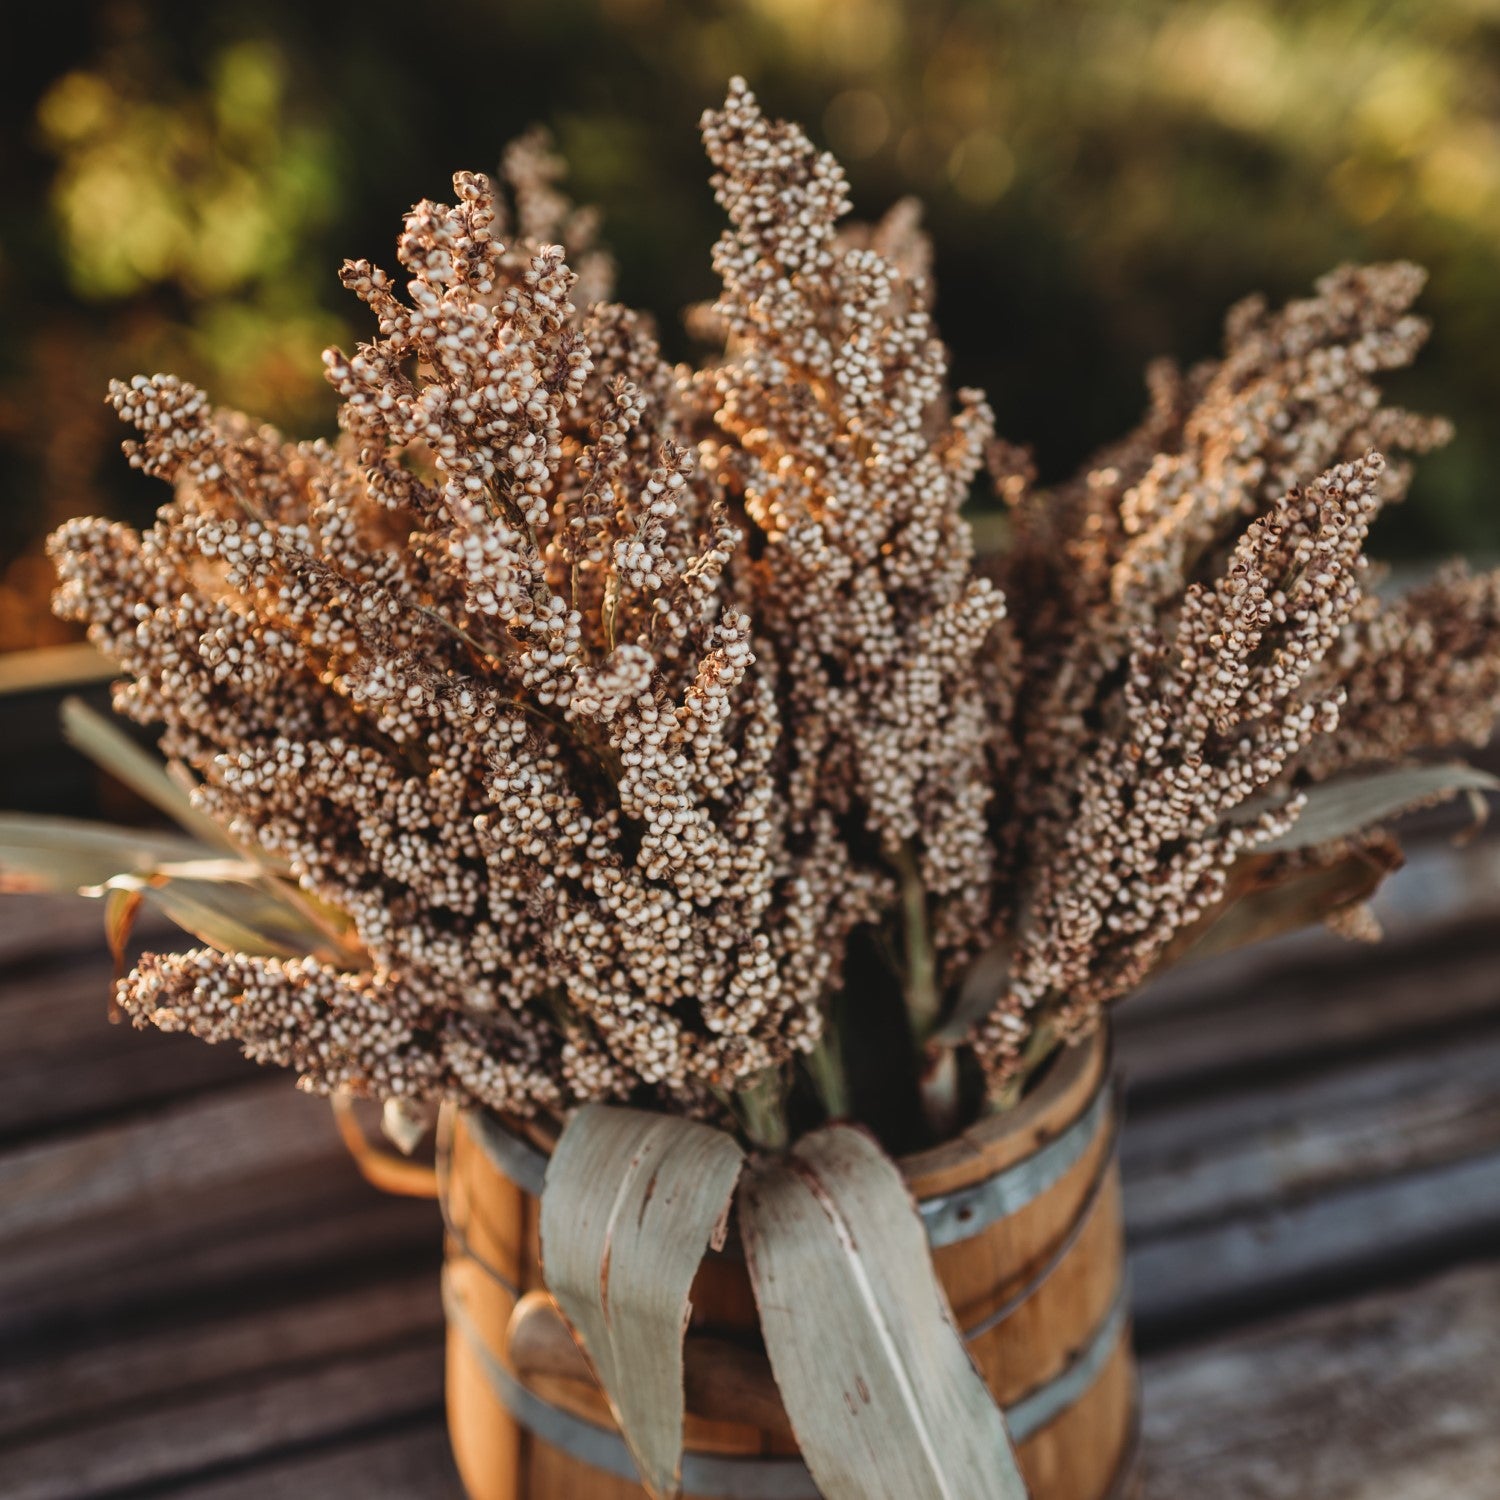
pixel 1102 178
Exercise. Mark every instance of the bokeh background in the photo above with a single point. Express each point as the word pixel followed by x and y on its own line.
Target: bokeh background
pixel 1103 178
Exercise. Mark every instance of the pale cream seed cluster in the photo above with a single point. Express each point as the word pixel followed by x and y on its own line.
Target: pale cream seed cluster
pixel 609 699
pixel 854 463
pixel 1210 717
pixel 1171 677
pixel 494 676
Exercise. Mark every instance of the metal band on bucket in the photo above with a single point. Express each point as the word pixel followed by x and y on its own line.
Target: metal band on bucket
pixel 974 1208
pixel 753 1476
pixel 949 1218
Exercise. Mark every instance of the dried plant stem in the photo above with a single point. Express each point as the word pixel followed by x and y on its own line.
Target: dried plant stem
pixel 922 998
pixel 825 1068
pixel 1039 1047
pixel 761 1109
pixel 114 751
pixel 938 1083
pixel 938 1087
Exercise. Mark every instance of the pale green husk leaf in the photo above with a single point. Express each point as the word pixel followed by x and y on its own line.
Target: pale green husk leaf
pixel 1340 809
pixel 109 747
pixel 226 905
pixel 631 1203
pixel 881 1393
pixel 64 855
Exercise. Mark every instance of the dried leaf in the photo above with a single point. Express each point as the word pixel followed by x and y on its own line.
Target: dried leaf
pixel 234 913
pixel 110 748
pixel 67 855
pixel 1340 809
pixel 1266 900
pixel 121 907
pixel 879 1387
pixel 983 984
pixel 631 1203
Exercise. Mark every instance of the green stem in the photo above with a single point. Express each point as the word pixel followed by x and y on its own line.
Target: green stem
pixel 825 1067
pixel 922 1000
pixel 938 1081
pixel 1039 1047
pixel 761 1109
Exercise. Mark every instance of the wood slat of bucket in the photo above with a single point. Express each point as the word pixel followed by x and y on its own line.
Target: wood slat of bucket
pixel 489 1446
pixel 1075 1457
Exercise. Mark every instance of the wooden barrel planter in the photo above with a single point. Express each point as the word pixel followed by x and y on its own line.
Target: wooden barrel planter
pixel 1023 1213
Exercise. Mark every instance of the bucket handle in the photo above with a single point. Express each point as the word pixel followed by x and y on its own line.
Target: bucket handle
pixel 380 1167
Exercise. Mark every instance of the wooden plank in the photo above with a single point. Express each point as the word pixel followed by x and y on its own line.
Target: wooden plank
pixel 1362 997
pixel 1233 1152
pixel 322 1231
pixel 87 1375
pixel 1255 1187
pixel 1370 1232
pixel 411 1464
pixel 47 930
pixel 1392 1395
pixel 146 1165
pixel 62 1062
pixel 253 1183
pixel 155 1443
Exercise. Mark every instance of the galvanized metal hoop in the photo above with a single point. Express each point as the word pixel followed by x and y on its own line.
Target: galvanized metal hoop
pixel 753 1476
pixel 949 1218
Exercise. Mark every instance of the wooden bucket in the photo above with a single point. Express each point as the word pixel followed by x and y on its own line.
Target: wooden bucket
pixel 1023 1212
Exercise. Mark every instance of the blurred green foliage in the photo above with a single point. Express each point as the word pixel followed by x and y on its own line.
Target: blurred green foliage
pixel 1102 179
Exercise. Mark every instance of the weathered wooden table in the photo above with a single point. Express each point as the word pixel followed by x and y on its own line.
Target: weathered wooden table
pixel 200 1298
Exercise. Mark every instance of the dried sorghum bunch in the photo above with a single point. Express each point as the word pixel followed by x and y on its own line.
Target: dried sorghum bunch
pixel 850 464
pixel 1191 644
pixel 608 699
pixel 497 676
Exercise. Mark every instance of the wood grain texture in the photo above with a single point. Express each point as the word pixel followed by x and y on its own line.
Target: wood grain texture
pixel 253 1182
pixel 1291 1139
pixel 71 1382
pixel 151 1444
pixel 1388 1397
pixel 1320 1007
pixel 53 931
pixel 1247 1265
pixel 415 1462
pixel 63 1065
